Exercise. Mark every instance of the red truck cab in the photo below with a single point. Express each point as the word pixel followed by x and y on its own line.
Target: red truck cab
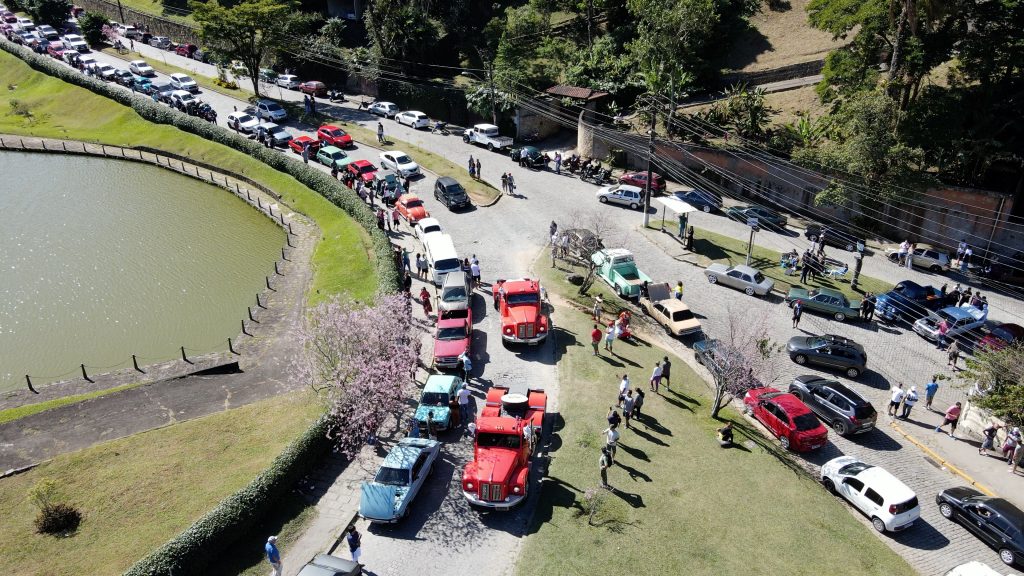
pixel 522 314
pixel 507 431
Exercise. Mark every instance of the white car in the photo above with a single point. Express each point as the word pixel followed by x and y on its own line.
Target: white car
pixel 48 32
pixel 181 81
pixel 427 226
pixel 399 162
pixel 959 321
pixel 26 24
pixel 246 123
pixel 278 135
pixel 623 194
pixel 105 71
pixel 882 497
pixel 268 110
pixel 290 81
pixel 385 109
pixel 141 68
pixel 161 42
pixel 413 119
pixel 76 42
pixel 180 99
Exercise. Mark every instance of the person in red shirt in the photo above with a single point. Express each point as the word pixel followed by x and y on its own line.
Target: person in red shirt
pixel 952 416
pixel 595 339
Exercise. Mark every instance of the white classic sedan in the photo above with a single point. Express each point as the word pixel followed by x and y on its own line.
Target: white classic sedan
pixel 740 277
pixel 399 162
pixel 399 479
pixel 413 119
pixel 246 123
pixel 141 68
pixel 959 321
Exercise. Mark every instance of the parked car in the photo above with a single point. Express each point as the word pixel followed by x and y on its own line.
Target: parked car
pixel 639 179
pixel 486 135
pixel 1002 336
pixel 411 208
pixel 452 338
pixel 266 74
pixel 623 195
pixel 56 49
pixel 141 68
pixel 534 157
pixel 298 143
pixel 787 418
pixel 450 193
pixel 960 321
pixel 890 504
pixel 385 109
pixel 701 199
pixel 162 90
pixel 834 236
pixel 399 162
pixel 362 169
pixel 908 301
pixel 829 350
pixel 184 82
pixel 426 226
pixel 269 110
pixel 993 520
pixel 186 50
pixel 48 32
pixel 75 42
pixel 846 411
pixel 313 88
pixel 105 71
pixel 413 119
pixel 388 184
pixel 617 267
pixel 925 256
pixel 332 135
pixel 289 81
pixel 740 277
pixel 673 315
pixel 246 123
pixel 180 99
pixel 161 42
pixel 766 217
pixel 330 156
pixel 124 77
pixel 438 397
pixel 825 300
pixel 398 480
pixel 278 135
pixel 706 353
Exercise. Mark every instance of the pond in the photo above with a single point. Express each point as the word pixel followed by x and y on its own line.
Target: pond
pixel 102 259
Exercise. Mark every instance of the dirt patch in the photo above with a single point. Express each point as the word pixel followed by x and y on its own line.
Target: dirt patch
pixel 778 38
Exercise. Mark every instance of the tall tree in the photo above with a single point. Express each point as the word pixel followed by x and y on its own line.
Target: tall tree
pixel 998 377
pixel 671 39
pixel 743 358
pixel 251 31
pixel 402 31
pixel 52 12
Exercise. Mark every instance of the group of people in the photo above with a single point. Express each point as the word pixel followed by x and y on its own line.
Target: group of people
pixel 309 104
pixel 1012 449
pixel 508 183
pixel 474 167
pixel 631 406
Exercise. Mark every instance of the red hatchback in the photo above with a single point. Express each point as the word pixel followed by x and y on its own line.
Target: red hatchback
pixel 785 416
pixel 313 87
pixel 333 136
pixel 297 144
pixel 640 179
pixel 363 169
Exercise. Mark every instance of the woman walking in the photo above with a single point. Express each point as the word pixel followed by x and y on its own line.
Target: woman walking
pixel 798 310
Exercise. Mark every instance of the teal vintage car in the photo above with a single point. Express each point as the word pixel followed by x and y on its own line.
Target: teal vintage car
pixel 331 156
pixel 438 397
pixel 398 480
pixel 825 300
pixel 142 84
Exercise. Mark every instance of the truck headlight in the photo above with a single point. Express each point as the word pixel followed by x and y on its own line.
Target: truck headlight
pixel 469 485
pixel 516 490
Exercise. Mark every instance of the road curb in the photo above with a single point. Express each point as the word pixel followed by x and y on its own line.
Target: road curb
pixel 341 537
pixel 943 462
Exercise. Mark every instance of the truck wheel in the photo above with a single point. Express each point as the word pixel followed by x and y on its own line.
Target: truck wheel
pixel 490 146
pixel 465 139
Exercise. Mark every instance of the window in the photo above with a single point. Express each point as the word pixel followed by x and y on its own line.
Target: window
pixel 747 278
pixel 416 467
pixel 806 422
pixel 854 468
pixel 853 483
pixel 734 274
pixel 661 309
pixel 873 496
pixel 392 476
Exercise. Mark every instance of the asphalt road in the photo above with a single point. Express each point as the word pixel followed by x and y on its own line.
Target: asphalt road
pixel 508 236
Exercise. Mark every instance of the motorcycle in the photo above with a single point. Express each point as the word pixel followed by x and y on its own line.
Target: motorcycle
pixel 440 128
pixel 572 163
pixel 335 96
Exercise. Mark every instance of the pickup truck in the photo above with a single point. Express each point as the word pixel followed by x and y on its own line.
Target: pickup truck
pixel 522 313
pixel 908 301
pixel 507 432
pixel 486 135
pixel 618 269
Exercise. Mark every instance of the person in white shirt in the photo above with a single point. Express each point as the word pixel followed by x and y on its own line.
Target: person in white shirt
pixel 623 386
pixel 611 436
pixel 474 272
pixel 908 402
pixel 895 399
pixel 656 377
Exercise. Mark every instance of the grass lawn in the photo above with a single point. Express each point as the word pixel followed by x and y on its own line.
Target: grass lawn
pixel 158 8
pixel 59 110
pixel 680 503
pixel 205 82
pixel 778 38
pixel 137 492
pixel 17 412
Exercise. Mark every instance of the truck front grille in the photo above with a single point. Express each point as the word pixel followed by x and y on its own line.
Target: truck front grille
pixel 526 330
pixel 490 492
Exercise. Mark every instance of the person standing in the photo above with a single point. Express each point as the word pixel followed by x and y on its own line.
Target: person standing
pixel 867 307
pixel 798 310
pixel 960 249
pixel 421 266
pixel 952 416
pixel 479 174
pixel 605 462
pixel 464 395
pixel 940 342
pixel 355 543
pixel 805 267
pixel 273 555
pixel 628 403
pixel 1012 440
pixel 414 427
pixel 989 435
pixel 595 339
pixel 677 292
pixel 395 218
pixel 901 254
pixel 929 392
pixel 666 372
pixel 511 184
pixel 611 436
pixel 1018 453
pixel 596 312
pixel 609 337
pixel 558 162
pixel 910 256
pixel 954 355
pixel 504 182
pixel 908 402
pixel 380 132
pixel 623 387
pixel 613 417
pixel 467 366
pixel 895 398
pixel 405 260
pixel 407 283
pixel 474 272
pixel 638 403
pixel 656 377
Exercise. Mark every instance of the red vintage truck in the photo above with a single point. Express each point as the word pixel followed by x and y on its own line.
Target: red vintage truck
pixel 522 317
pixel 507 431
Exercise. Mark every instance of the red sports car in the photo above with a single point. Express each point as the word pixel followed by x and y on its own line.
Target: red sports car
pixel 363 169
pixel 1002 336
pixel 411 208
pixel 640 179
pixel 298 143
pixel 334 136
pixel 785 416
pixel 313 87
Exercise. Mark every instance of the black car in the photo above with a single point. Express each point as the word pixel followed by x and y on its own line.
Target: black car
pixel 706 352
pixel 533 157
pixel 163 92
pixel 830 351
pixel 908 301
pixel 450 193
pixel 834 236
pixel 994 520
pixel 842 408
pixel 706 201
pixel 124 77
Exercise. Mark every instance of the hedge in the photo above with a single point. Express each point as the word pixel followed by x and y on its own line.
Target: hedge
pixel 236 515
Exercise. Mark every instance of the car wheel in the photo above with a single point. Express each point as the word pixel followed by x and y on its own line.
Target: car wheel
pixel 634 206
pixel 749 291
pixel 746 409
pixel 618 291
pixel 946 509
pixel 784 440
pixel 603 200
pixel 800 359
pixel 878 524
pixel 829 485
pixel 850 247
pixel 713 279
pixel 706 209
pixel 490 147
pixel 852 372
pixel 840 317
pixel 799 395
pixel 1007 556
pixel 840 427
pixel 465 139
pixel 934 268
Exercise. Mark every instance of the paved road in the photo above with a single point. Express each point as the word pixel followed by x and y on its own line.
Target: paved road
pixel 506 238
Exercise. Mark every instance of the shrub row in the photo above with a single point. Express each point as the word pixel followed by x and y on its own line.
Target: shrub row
pixel 236 515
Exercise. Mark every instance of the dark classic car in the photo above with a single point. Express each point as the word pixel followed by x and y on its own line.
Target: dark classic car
pixel 993 520
pixel 825 300
pixel 834 236
pixel 534 158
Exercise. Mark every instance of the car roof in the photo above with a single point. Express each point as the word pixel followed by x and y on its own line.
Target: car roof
pixel 394 153
pixel 414 112
pixel 329 127
pixel 408 197
pixel 882 481
pixel 424 222
pixel 746 269
pixel 401 457
pixel 1006 510
pixel 485 126
pixel 447 180
pixel 791 404
pixel 454 278
pixel 960 313
pixel 837 386
pixel 439 383
pixel 829 292
pixel 628 188
pixel 330 149
pixel 452 322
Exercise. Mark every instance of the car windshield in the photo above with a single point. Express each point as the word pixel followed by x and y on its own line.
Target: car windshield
pixel 489 440
pixel 413 204
pixel 516 299
pixel 446 264
pixel 454 189
pixel 403 159
pixel 453 333
pixel 392 476
pixel 854 468
pixel 434 399
pixel 817 342
pixel 367 168
pixel 245 118
pixel 337 132
pixel 806 422
pixel 680 315
pixel 758 278
pixel 272 106
pixel 456 294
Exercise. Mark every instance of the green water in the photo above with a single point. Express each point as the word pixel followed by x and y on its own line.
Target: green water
pixel 101 259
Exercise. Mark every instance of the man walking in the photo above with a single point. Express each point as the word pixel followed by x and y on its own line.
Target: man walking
pixel 595 339
pixel 355 543
pixel 798 311
pixel 627 406
pixel 596 312
pixel 611 436
pixel 929 392
pixel 380 132
pixel 305 153
pixel 558 162
pixel 908 402
pixel 623 387
pixel 464 395
pixel 954 355
pixel 273 556
pixel 609 337
pixel 952 417
pixel 656 377
pixel 467 366
pixel 666 372
pixel 504 182
pixel 895 399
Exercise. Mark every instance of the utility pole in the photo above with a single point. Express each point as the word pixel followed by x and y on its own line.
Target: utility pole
pixel 650 160
pixel 121 11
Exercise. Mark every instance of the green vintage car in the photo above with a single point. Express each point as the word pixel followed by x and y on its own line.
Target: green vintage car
pixel 825 300
pixel 330 156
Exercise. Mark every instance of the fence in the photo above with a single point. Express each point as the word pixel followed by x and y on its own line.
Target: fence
pixel 156 25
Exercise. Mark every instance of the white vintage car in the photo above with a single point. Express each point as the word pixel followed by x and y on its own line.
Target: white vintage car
pixel 740 277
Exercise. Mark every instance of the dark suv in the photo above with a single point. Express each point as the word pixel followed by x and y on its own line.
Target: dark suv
pixel 706 201
pixel 909 301
pixel 834 236
pixel 830 351
pixel 450 193
pixel 845 410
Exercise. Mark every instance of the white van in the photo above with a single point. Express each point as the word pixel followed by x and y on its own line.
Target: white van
pixel 441 256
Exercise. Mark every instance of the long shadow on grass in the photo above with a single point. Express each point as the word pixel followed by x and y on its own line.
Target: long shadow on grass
pixel 634 474
pixel 649 437
pixel 635 452
pixel 554 493
pixel 683 397
pixel 677 403
pixel 634 500
pixel 652 423
pixel 769 446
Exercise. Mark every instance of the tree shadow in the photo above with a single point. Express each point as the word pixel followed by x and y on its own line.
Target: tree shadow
pixel 708 249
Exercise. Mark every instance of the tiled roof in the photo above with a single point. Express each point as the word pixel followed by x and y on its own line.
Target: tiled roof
pixel 575 92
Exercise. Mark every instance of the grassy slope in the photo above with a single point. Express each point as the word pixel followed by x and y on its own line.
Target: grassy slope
pixel 682 505
pixel 779 38
pixel 63 111
pixel 139 491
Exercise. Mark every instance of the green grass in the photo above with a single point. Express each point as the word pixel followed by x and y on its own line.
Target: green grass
pixel 341 263
pixel 137 492
pixel 712 247
pixel 18 412
pixel 681 504
pixel 288 519
pixel 205 82
pixel 157 8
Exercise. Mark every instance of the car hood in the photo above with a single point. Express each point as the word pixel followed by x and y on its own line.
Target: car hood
pixel 440 413
pixel 716 267
pixel 450 347
pixel 494 465
pixel 380 501
pixel 927 323
pixel 417 213
pixel 522 314
pixel 799 343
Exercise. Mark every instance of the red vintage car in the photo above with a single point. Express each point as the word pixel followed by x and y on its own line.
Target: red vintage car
pixel 334 136
pixel 363 169
pixel 56 49
pixel 299 142
pixel 452 337
pixel 640 179
pixel 787 418
pixel 1002 336
pixel 411 208
pixel 313 87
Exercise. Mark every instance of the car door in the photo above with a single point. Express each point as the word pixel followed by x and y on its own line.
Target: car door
pixel 852 489
pixel 419 473
pixel 822 302
pixel 977 518
pixel 733 278
pixel 660 314
pixel 822 402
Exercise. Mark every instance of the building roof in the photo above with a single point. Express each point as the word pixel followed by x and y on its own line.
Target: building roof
pixel 575 92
